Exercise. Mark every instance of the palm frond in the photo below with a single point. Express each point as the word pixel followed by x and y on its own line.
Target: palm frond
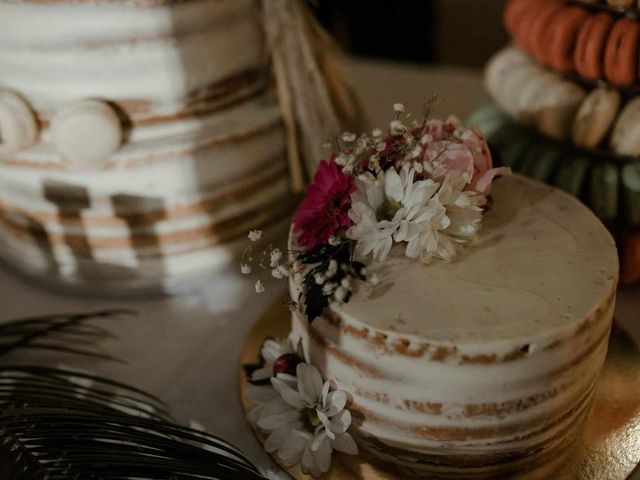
pixel 60 424
pixel 68 333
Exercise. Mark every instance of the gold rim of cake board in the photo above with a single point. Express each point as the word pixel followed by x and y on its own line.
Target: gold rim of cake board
pixel 608 450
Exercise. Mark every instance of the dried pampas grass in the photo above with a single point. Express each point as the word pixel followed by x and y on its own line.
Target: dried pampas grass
pixel 315 99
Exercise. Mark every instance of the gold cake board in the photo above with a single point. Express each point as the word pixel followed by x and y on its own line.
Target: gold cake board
pixel 609 449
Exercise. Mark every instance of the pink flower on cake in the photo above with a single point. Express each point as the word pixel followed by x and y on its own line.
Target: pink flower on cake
pixel 452 148
pixel 325 207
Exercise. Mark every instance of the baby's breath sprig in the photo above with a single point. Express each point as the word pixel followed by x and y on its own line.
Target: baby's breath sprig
pixel 378 150
pixel 328 272
pixel 264 259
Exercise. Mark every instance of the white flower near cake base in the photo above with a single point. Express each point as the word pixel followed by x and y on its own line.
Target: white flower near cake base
pixel 271 351
pixel 455 217
pixel 388 207
pixel 305 420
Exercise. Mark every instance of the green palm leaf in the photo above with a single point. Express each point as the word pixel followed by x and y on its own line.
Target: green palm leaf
pixel 59 424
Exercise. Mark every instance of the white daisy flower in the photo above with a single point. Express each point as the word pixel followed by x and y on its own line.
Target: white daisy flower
pixel 271 351
pixel 386 208
pixel 245 269
pixel 455 217
pixel 315 417
pixel 398 107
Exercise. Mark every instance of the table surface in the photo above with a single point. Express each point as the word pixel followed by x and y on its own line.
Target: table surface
pixel 186 349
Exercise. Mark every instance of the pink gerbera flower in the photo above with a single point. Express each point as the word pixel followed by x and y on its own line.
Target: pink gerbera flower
pixel 324 209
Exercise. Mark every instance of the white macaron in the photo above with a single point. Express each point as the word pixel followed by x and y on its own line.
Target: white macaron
pixel 501 67
pixel 625 137
pixel 18 125
pixel 87 133
pixel 595 117
pixel 557 107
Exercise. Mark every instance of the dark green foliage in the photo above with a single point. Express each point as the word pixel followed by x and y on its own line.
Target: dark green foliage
pixel 315 300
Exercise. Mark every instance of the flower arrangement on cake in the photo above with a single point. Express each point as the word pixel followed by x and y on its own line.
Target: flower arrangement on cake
pixel 417 190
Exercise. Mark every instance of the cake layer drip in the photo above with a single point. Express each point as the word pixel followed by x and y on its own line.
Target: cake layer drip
pixel 484 366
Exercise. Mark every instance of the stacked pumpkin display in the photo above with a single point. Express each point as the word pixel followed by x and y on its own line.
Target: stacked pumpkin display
pixel 566 107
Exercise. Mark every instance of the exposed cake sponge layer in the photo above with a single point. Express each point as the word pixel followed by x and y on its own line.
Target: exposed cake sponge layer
pixel 485 365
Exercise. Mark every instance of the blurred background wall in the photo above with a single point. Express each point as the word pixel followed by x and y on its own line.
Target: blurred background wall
pixel 422 31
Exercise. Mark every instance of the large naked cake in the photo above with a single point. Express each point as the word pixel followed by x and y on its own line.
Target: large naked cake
pixel 138 143
pixel 442 326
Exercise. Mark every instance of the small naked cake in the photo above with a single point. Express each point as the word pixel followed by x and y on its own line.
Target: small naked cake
pixel 441 326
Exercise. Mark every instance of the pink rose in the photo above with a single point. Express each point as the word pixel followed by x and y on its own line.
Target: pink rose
pixel 463 151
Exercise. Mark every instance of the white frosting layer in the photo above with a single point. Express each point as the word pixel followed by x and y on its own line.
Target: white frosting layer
pixel 541 264
pixel 180 141
pixel 494 354
pixel 176 198
pixel 159 55
pixel 202 161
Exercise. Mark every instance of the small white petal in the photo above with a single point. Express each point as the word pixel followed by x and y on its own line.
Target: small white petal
pixel 325 392
pixel 317 462
pixel 278 420
pixel 341 422
pixel 309 382
pixel 326 423
pixel 276 256
pixel 288 394
pixel 262 373
pixel 344 443
pixel 318 440
pixel 336 401
pixel 292 449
